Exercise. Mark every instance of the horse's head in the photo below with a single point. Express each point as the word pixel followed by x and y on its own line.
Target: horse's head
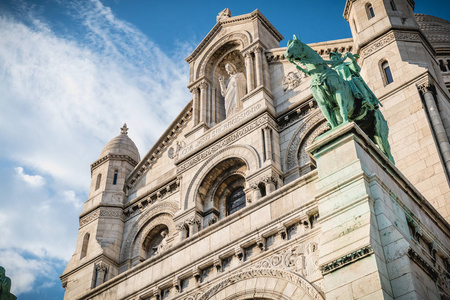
pixel 295 49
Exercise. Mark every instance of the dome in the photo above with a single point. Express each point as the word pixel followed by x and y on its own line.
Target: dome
pixel 122 145
pixel 436 30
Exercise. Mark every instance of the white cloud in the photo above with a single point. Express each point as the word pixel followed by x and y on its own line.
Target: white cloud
pixel 33 180
pixel 62 100
pixel 23 272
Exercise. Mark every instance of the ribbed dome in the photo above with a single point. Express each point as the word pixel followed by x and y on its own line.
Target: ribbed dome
pixel 436 30
pixel 122 145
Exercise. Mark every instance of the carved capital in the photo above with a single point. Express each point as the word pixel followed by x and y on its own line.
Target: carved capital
pixel 101 267
pixel 203 85
pixel 257 49
pixel 180 226
pixel 239 252
pixel 426 88
pixel 194 90
pixel 193 220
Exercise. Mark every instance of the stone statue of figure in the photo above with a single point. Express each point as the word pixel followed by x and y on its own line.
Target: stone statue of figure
pixel 234 90
pixel 163 245
pixel 349 71
pixel 5 286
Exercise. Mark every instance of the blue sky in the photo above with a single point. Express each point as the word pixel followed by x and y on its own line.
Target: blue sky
pixel 71 73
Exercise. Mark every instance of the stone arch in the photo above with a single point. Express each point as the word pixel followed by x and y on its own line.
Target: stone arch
pixel 303 159
pixel 165 207
pixel 310 122
pixel 269 284
pixel 247 153
pixel 164 219
pixel 239 40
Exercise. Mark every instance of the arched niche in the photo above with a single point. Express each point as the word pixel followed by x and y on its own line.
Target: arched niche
pixel 160 213
pixel 219 184
pixel 155 241
pixel 216 70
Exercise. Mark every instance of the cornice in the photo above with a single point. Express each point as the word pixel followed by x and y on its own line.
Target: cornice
pixel 108 157
pixel 160 146
pixel 255 15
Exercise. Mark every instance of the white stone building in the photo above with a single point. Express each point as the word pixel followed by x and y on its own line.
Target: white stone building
pixel 243 203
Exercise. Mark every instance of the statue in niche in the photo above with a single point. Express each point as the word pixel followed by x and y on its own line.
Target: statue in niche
pixel 157 249
pixel 5 286
pixel 234 89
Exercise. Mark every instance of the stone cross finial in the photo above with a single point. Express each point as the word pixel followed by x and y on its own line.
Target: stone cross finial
pixel 224 14
pixel 124 129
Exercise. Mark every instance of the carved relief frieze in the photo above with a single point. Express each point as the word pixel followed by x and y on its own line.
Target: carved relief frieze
pixel 347 259
pixel 296 114
pixel 255 273
pixel 225 141
pixel 387 39
pixel 422 262
pixel 109 212
pixel 291 80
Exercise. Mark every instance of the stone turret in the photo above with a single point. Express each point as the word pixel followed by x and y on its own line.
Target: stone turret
pixel 101 221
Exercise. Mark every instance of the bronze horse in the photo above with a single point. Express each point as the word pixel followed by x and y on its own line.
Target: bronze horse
pixel 335 97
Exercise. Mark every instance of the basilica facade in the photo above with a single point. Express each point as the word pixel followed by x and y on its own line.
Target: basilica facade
pixel 249 195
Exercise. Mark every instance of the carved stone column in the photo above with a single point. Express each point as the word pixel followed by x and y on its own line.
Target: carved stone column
pixel 203 101
pixel 249 71
pixel 259 66
pixel 194 224
pixel 270 184
pixel 436 121
pixel 182 231
pixel 195 105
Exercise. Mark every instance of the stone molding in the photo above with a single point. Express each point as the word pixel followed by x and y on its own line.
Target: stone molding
pixel 346 260
pixel 108 212
pixel 160 146
pixel 421 262
pixel 108 157
pixel 255 273
pixel 225 141
pixel 152 197
pixel 216 132
pixel 388 38
pixel 295 114
pixel 310 123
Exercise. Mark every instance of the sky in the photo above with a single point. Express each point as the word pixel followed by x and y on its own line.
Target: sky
pixel 71 73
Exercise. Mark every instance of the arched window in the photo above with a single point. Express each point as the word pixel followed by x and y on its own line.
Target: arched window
pixel 97 183
pixel 393 6
pixel 236 201
pixel 84 247
pixel 369 10
pixel 116 173
pixel 387 74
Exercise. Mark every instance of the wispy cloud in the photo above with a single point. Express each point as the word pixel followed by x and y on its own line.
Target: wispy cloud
pixel 33 180
pixel 63 99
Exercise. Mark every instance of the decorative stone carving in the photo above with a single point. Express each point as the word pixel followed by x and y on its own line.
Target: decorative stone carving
pixel 291 81
pixel 421 262
pixel 347 259
pixel 114 213
pixel 172 153
pixel 224 14
pixel 311 259
pixel 241 276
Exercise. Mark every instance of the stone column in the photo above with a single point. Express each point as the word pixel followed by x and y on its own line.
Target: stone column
pixel 270 184
pixel 100 269
pixel 193 224
pixel 195 105
pixel 182 232
pixel 436 121
pixel 268 142
pixel 203 99
pixel 249 71
pixel 259 66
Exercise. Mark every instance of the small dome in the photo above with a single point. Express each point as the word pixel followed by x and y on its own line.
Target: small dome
pixel 122 145
pixel 436 30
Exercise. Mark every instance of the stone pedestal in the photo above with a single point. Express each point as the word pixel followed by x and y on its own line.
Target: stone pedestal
pixel 351 257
